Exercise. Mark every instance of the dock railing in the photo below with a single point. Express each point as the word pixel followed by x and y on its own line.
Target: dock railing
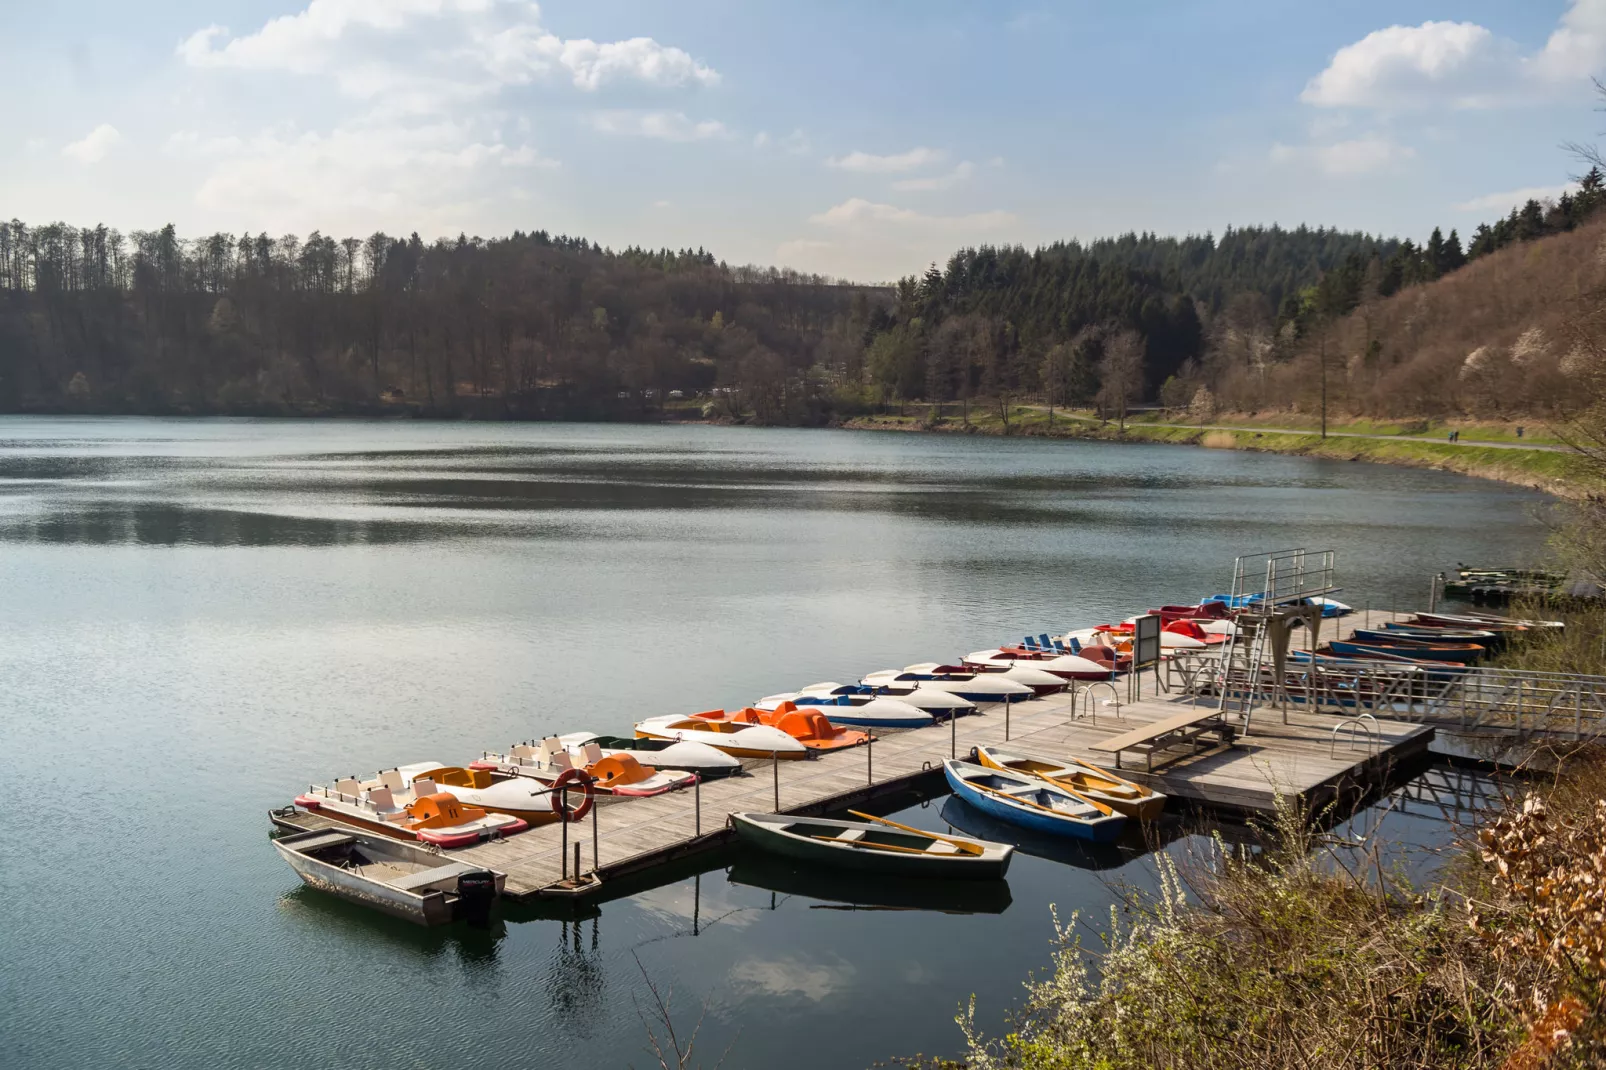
pixel 1479 700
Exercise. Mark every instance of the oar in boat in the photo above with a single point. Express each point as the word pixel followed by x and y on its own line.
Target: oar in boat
pixel 1100 807
pixel 1101 771
pixel 966 846
pixel 869 846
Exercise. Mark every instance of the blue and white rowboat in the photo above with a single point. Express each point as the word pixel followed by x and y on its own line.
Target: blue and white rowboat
pixel 1031 802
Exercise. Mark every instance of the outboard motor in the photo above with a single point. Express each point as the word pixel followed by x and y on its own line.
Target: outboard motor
pixel 476 892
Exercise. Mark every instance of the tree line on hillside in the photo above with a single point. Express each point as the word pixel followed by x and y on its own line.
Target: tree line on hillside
pixel 548 326
pixel 530 326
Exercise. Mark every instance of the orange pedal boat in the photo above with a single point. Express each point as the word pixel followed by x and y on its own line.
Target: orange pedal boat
pixel 809 728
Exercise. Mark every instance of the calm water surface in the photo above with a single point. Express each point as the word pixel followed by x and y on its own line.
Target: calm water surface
pixel 201 617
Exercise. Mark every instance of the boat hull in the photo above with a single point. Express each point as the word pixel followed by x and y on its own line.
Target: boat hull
pixel 755 832
pixel 1146 807
pixel 1102 829
pixel 429 906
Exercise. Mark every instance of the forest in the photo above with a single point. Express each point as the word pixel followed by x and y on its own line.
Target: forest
pixel 543 326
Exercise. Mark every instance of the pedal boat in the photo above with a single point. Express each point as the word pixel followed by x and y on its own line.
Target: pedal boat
pixel 906 687
pixel 970 684
pixel 421 811
pixel 1032 802
pixel 1067 667
pixel 698 758
pixel 738 740
pixel 401 879
pixel 873 846
pixel 809 726
pixel 1100 785
pixel 613 774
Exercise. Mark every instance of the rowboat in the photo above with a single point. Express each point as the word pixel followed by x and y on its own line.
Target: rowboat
pixel 698 758
pixel 1089 781
pixel 1032 802
pixel 399 878
pixel 417 811
pixel 1485 620
pixel 808 726
pixel 1391 632
pixel 1460 653
pixel 874 845
pixel 844 889
pixel 740 740
pixel 618 773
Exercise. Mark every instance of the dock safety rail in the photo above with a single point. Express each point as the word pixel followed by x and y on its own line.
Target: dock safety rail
pixel 1472 700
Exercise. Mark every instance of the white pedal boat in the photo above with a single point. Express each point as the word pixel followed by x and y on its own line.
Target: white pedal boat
pixel 697 758
pixel 613 774
pixel 419 811
pixel 509 795
pixel 1065 666
pixel 881 712
pixel 739 740
pixel 1040 681
pixel 979 686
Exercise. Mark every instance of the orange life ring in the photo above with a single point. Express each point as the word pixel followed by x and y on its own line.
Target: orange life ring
pixel 560 790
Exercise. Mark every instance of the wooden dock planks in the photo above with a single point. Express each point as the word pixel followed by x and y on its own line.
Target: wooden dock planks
pixel 1296 758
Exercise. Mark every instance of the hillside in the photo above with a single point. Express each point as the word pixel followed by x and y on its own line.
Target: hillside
pixel 1512 333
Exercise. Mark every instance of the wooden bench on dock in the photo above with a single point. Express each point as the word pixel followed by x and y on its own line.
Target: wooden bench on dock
pixel 1183 728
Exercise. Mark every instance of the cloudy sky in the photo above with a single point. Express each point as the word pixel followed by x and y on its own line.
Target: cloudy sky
pixel 857 139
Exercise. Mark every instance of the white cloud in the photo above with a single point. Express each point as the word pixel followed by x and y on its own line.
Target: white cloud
pixel 761 139
pixel 436 177
pixel 867 163
pixel 1460 64
pixel 793 976
pixel 1505 202
pixel 662 125
pixel 93 146
pixel 1357 156
pixel 858 212
pixel 959 174
pixel 437 50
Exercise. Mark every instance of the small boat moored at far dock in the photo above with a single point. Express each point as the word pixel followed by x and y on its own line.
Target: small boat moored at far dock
pixel 1032 802
pixel 739 740
pixel 396 877
pixel 1097 784
pixel 874 846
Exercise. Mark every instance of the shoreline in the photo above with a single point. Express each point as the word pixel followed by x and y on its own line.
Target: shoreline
pixel 1548 471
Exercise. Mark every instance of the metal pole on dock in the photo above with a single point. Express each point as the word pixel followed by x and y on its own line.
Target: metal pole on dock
pixel 563 819
pixel 596 851
pixel 775 762
pixel 576 859
pixel 697 802
pixel 869 760
pixel 1006 718
pixel 953 734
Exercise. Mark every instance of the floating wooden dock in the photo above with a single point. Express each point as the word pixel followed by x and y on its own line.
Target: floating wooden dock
pixel 1292 754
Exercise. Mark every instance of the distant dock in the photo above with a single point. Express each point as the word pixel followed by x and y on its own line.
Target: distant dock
pixel 1303 759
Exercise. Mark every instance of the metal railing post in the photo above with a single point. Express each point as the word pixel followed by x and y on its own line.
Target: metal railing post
pixel 869 760
pixel 596 848
pixel 697 803
pixel 563 819
pixel 953 734
pixel 776 764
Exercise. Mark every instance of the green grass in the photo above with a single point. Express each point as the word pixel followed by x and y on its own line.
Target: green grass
pixel 1535 431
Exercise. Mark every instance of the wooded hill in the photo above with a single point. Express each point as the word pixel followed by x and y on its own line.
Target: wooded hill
pixel 537 326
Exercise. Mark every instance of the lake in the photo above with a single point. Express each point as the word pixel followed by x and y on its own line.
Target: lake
pixel 201 617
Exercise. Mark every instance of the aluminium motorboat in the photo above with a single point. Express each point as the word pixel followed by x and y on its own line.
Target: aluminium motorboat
pixel 402 879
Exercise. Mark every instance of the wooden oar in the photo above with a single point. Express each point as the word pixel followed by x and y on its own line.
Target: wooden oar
pixel 1095 804
pixel 874 846
pixel 1101 808
pixel 1101 771
pixel 964 845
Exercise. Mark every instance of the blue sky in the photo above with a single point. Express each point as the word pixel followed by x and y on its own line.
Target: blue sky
pixel 861 140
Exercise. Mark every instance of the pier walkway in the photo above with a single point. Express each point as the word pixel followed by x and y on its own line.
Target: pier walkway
pixel 1298 758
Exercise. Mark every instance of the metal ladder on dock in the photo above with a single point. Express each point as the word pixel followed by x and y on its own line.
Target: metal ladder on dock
pixel 1241 663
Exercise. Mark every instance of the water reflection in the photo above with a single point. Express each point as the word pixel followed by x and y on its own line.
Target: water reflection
pixel 845 890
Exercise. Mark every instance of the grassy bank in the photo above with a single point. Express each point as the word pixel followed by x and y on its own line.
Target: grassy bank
pixel 1549 470
pixel 1314 954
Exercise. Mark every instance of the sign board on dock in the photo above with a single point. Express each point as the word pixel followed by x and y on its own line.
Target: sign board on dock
pixel 1145 641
